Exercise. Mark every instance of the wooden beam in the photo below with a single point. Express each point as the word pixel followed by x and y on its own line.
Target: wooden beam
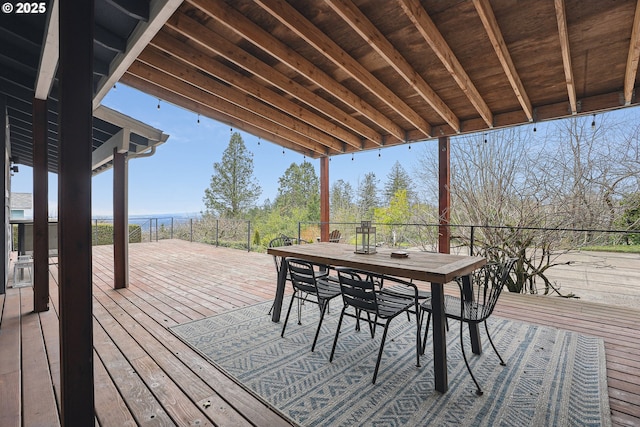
pixel 214 43
pixel 40 207
pixel 563 34
pixel 77 400
pixel 120 220
pixel 444 195
pixel 48 54
pixel 182 93
pixel 230 18
pixel 247 103
pixel 197 59
pixel 633 57
pixel 485 12
pixel 324 199
pixel 138 9
pixel 160 11
pixel 305 29
pixel 425 26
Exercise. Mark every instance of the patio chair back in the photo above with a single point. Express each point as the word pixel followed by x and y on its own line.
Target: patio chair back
pixel 361 291
pixel 487 284
pixel 309 281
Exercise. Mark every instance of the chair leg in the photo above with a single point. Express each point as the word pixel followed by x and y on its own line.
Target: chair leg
pixel 323 307
pixel 335 339
pixel 464 355
pixel 492 345
pixel 384 337
pixel 286 319
pixel 426 331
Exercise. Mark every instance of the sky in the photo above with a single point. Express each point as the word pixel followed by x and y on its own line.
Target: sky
pixel 173 180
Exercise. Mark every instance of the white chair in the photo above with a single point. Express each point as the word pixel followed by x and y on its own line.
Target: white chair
pixel 24 262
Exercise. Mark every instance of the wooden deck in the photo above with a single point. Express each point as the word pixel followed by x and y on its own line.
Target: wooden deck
pixel 146 376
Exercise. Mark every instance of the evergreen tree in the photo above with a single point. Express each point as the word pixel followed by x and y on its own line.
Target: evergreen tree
pixel 368 196
pixel 233 189
pixel 299 193
pixel 398 179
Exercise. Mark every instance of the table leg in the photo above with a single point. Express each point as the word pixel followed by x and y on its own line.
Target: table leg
pixel 282 279
pixel 439 338
pixel 476 344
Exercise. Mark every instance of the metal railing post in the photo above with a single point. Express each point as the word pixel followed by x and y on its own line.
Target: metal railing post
pixel 171 232
pixel 249 236
pixel 217 225
pixel 191 230
pixel 299 230
pixel 473 228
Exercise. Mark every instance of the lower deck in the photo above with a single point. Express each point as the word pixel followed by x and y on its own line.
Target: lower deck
pixel 144 375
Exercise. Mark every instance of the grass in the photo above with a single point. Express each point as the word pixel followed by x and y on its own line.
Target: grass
pixel 629 249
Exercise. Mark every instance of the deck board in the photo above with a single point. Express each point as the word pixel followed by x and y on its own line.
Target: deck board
pixel 146 376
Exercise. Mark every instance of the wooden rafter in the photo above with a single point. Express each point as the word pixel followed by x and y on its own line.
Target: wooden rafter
pixel 419 17
pixel 197 59
pixel 485 12
pixel 206 111
pixel 563 34
pixel 304 29
pixel 215 44
pixel 188 91
pixel 633 57
pixel 175 68
pixel 234 21
pixel 360 24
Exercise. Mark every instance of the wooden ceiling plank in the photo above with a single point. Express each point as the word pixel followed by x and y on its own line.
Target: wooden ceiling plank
pixel 306 30
pixel 197 59
pixel 563 34
pixel 186 96
pixel 236 22
pixel 419 17
pixel 213 42
pixel 485 12
pixel 633 57
pixel 149 61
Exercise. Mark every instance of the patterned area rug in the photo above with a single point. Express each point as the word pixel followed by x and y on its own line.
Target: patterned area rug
pixel 552 378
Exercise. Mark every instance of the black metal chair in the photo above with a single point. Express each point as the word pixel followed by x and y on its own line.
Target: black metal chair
pixel 360 291
pixel 475 305
pixel 283 240
pixel 306 283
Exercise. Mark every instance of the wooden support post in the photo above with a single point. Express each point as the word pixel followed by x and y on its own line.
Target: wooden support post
pixel 120 220
pixel 324 199
pixel 5 248
pixel 444 195
pixel 40 207
pixel 75 67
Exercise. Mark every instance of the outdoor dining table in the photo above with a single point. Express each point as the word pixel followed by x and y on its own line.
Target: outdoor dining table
pixel 432 267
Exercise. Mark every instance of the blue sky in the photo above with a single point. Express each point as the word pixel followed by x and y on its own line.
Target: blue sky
pixel 173 180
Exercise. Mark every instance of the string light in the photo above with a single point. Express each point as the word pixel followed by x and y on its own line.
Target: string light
pixel 485 137
pixel 158 103
pixel 258 140
pixel 593 123
pixel 352 157
pixel 409 146
pixel 198 118
pixel 379 155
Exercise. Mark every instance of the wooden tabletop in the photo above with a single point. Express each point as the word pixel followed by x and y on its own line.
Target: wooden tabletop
pixel 426 266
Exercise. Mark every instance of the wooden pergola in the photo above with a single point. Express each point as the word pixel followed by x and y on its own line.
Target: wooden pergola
pixel 321 77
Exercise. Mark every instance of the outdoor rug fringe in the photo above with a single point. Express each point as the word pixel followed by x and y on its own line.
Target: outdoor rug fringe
pixel 552 378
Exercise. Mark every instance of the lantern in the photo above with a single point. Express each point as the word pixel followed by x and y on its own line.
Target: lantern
pixel 365 238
